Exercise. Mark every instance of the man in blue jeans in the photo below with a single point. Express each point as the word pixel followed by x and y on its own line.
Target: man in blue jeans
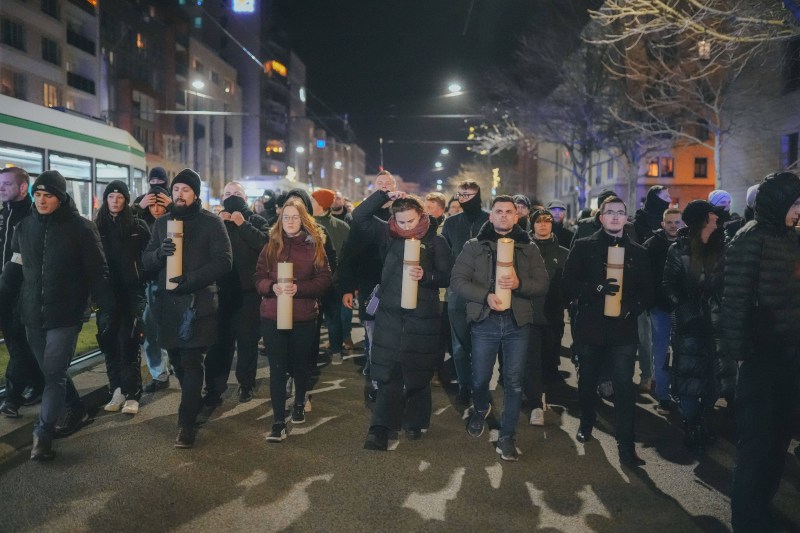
pixel 608 341
pixel 494 325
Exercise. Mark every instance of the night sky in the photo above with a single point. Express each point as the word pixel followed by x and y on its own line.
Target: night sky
pixel 383 61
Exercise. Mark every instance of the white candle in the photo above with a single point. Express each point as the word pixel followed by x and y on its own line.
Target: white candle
pixel 285 302
pixel 408 299
pixel 505 266
pixel 175 261
pixel 615 265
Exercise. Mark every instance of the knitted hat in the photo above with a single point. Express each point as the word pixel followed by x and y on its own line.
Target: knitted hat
pixel 541 213
pixel 717 196
pixel 188 177
pixel 696 213
pixel 157 176
pixel 751 195
pixel 117 186
pixel 522 199
pixel 53 182
pixel 557 204
pixel 157 189
pixel 324 198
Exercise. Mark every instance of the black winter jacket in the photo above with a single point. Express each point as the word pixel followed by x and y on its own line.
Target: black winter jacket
pixel 657 247
pixel 564 235
pixel 648 220
pixel 123 248
pixel 585 270
pixel 247 241
pixel 206 258
pixel 761 295
pixel 549 309
pixel 586 227
pixel 62 262
pixel 10 215
pixel 409 337
pixel 460 228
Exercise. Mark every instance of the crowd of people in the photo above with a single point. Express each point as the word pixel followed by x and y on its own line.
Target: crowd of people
pixel 705 301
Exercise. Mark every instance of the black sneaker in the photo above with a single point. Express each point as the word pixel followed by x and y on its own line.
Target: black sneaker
pixel 185 438
pixel 278 432
pixel 298 414
pixel 245 393
pixel 70 421
pixel 630 459
pixel 476 421
pixel 507 449
pixel 9 410
pixel 414 434
pixel 156 385
pixel 42 449
pixel 377 439
pixel 205 414
pixel 31 396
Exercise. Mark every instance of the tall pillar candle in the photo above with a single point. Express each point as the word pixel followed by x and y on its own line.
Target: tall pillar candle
pixel 285 302
pixel 505 266
pixel 615 265
pixel 175 261
pixel 408 298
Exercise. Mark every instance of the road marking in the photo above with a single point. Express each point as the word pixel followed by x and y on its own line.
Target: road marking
pixel 424 465
pixel 302 430
pixel 432 505
pixel 495 473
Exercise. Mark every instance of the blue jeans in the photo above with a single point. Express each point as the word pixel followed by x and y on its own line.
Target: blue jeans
pixel 660 325
pixel 488 336
pixel 346 321
pixel 332 306
pixel 645 347
pixel 461 338
pixel 53 349
pixel 155 356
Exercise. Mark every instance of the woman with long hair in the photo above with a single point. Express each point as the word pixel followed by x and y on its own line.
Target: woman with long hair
pixel 124 238
pixel 692 283
pixel 404 351
pixel 295 238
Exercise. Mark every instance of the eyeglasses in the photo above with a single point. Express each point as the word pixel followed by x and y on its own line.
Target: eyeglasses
pixel 465 194
pixel 614 213
pixel 291 218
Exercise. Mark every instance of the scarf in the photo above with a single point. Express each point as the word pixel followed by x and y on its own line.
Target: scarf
pixel 417 233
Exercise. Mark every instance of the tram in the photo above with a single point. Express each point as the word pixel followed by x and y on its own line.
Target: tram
pixel 88 153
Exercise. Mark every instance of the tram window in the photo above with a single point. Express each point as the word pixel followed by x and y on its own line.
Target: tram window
pixel 81 192
pixel 23 157
pixel 71 166
pixel 139 184
pixel 106 173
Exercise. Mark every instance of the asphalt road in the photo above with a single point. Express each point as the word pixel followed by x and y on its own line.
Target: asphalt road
pixel 122 473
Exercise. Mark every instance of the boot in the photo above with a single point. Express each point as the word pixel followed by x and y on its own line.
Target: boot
pixel 693 440
pixel 42 449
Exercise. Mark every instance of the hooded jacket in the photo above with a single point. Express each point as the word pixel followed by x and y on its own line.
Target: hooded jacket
pixel 474 274
pixel 648 219
pixel 761 294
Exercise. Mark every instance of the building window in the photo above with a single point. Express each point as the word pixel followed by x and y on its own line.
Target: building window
pixel 50 7
pixel 667 166
pixel 610 170
pixel 140 42
pixel 198 66
pixel 791 66
pixel 198 23
pixel 652 169
pixel 700 167
pixel 228 86
pixel 598 174
pixel 215 77
pixel 50 51
pixel 13 34
pixel 144 106
pixel 50 95
pixel 13 84
pixel 789 150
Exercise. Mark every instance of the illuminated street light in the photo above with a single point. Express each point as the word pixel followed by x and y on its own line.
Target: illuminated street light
pixel 455 88
pixel 444 151
pixel 438 182
pixel 438 164
pixel 357 180
pixel 438 187
pixel 299 149
pixel 337 165
pixel 198 84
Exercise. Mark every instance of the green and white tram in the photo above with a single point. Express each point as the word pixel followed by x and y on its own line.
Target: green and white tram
pixel 88 153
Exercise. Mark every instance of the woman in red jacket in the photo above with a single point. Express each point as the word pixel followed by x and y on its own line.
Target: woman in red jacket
pixel 297 239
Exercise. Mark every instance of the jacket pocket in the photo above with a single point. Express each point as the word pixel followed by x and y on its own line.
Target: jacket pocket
pixel 206 301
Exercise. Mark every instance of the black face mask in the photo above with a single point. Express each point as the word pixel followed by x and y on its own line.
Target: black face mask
pixel 233 204
pixel 473 205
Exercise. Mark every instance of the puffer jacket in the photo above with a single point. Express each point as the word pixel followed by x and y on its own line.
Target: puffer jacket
pixel 692 296
pixel 474 274
pixel 761 294
pixel 123 247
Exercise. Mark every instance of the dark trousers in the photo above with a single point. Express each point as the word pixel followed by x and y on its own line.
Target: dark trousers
pixel 767 410
pixel 123 356
pixel 620 361
pixel 551 351
pixel 22 369
pixel 332 309
pixel 404 400
pixel 534 384
pixel 461 338
pixel 238 329
pixel 288 349
pixel 188 365
pixel 53 349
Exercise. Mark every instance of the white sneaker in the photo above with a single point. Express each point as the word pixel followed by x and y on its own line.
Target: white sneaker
pixel 131 407
pixel 115 404
pixel 537 417
pixel 336 359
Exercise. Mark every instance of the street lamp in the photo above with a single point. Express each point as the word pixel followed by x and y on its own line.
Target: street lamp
pixel 299 149
pixel 455 89
pixel 438 164
pixel 337 165
pixel 198 84
pixel 444 151
pixel 438 182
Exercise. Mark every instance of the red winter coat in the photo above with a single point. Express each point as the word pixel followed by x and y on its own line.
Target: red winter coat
pixel 312 282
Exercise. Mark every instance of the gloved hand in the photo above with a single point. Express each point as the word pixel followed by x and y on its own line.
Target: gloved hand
pixel 609 287
pixel 167 248
pixel 182 287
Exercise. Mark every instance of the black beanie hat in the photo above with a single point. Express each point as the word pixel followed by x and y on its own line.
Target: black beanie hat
pixel 53 182
pixel 117 186
pixel 157 174
pixel 158 189
pixel 189 177
pixel 522 199
pixel 540 213
pixel 696 213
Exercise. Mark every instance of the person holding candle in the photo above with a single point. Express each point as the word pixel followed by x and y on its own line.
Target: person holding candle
pixel 297 239
pixel 608 340
pixel 187 313
pixel 404 348
pixel 496 324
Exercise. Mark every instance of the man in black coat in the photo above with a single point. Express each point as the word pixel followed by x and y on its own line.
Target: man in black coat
pixel 761 310
pixel 600 339
pixel 558 210
pixel 187 314
pixel 22 373
pixel 238 319
pixel 458 229
pixel 57 261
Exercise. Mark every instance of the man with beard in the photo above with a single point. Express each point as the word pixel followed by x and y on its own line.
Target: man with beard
pixel 458 229
pixel 564 235
pixel 187 314
pixel 22 373
pixel 523 204
pixel 339 209
pixel 238 319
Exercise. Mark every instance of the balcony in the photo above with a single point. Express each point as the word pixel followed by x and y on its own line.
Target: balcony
pixel 80 42
pixel 85 5
pixel 79 82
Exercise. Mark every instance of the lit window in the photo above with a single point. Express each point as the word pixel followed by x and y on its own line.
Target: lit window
pixel 198 23
pixel 652 169
pixel 140 41
pixel 50 95
pixel 700 167
pixel 667 167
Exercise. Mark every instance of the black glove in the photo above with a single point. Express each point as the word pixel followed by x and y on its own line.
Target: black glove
pixel 608 287
pixel 182 287
pixel 167 248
